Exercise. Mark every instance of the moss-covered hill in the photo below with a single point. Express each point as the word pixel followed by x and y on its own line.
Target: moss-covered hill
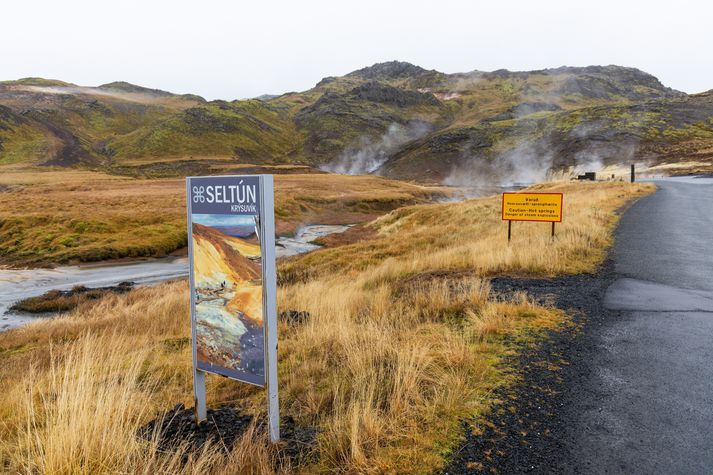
pixel 397 118
pixel 654 132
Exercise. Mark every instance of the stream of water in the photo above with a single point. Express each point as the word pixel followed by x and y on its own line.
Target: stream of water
pixel 302 241
pixel 19 284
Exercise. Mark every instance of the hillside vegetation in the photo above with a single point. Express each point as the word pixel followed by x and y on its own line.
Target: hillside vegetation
pixel 395 119
pixel 403 342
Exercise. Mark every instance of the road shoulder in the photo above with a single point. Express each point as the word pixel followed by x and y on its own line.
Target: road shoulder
pixel 529 429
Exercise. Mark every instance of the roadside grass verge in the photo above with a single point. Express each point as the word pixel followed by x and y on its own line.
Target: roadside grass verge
pixel 400 345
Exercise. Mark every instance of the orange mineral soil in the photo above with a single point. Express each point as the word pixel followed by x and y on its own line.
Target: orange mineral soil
pixel 221 258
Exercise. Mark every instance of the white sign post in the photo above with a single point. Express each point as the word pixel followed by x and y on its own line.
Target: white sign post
pixel 233 285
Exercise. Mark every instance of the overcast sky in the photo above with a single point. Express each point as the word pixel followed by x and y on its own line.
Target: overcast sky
pixel 234 49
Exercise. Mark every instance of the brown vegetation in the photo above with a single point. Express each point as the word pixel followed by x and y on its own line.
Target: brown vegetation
pixel 402 342
pixel 65 300
pixel 63 216
pixel 470 235
pixel 350 236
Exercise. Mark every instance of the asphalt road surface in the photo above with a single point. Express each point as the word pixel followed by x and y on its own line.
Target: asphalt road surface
pixel 648 405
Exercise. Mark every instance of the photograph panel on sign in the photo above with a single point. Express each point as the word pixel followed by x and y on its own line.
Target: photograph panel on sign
pixel 228 296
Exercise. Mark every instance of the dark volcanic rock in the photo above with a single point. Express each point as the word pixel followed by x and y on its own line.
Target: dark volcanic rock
pixel 201 120
pixel 297 317
pixel 339 120
pixel 659 124
pixel 390 70
pixel 7 117
pixel 70 152
pixel 527 108
pixel 655 131
pixel 611 81
pixel 177 426
pixel 524 109
pixel 401 72
pixel 325 81
pixel 224 426
pixel 382 93
pixel 594 82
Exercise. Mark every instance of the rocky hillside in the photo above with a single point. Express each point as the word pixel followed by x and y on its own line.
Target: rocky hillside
pixel 394 118
pixel 219 257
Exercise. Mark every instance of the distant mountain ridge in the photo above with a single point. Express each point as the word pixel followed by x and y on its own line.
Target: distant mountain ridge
pixel 128 87
pixel 393 118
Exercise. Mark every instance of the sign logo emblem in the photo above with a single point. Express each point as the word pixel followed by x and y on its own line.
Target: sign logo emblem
pixel 198 194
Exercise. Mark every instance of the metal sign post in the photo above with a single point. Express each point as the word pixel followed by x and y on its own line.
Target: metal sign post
pixel 199 399
pixel 233 285
pixel 269 279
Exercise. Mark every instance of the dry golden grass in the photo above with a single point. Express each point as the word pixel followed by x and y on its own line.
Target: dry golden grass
pixel 58 216
pixel 383 376
pixel 78 388
pixel 402 342
pixel 342 199
pixel 471 236
pixel 49 217
pixel 386 373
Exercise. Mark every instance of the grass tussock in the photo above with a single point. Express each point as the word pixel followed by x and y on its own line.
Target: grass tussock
pixel 65 300
pixel 386 375
pixel 398 347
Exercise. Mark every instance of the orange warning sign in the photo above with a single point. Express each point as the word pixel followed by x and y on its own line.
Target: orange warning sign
pixel 532 207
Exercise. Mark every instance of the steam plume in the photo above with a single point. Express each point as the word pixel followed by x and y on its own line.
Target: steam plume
pixel 367 156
